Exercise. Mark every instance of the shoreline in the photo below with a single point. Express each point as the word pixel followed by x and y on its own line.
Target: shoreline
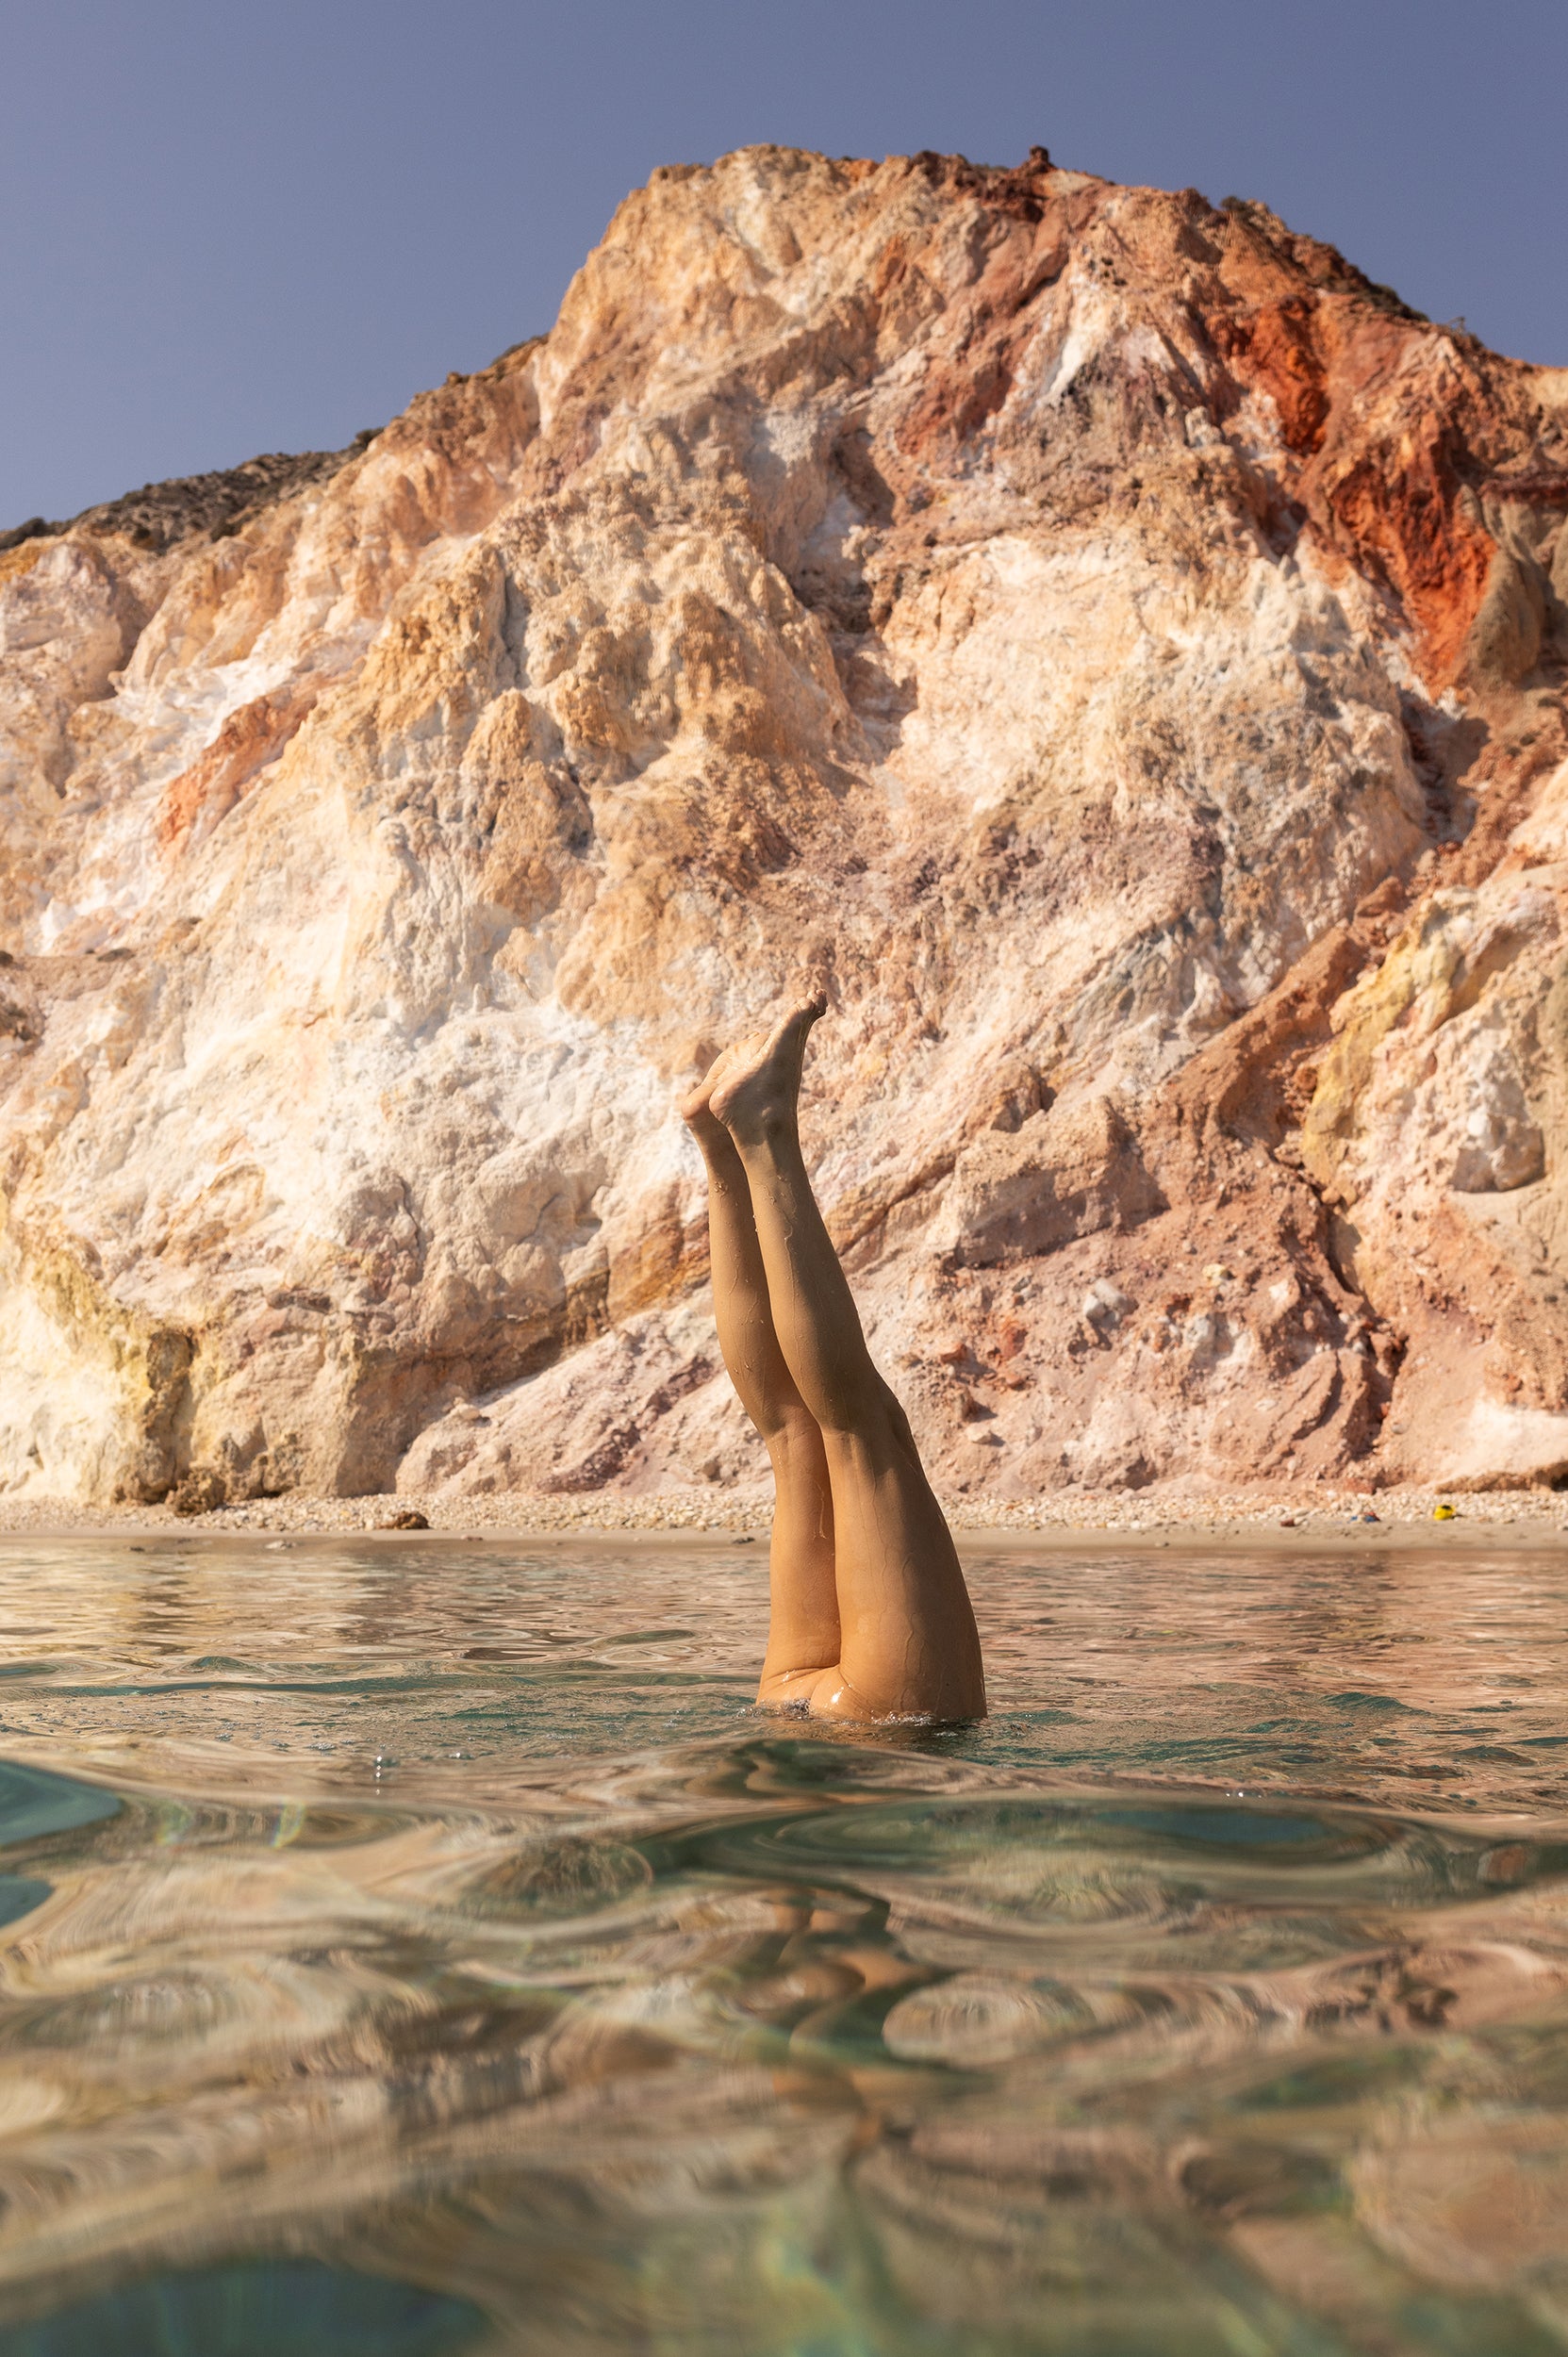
pixel 1532 1520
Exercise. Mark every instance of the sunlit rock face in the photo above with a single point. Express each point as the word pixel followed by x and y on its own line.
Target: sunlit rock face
pixel 1113 647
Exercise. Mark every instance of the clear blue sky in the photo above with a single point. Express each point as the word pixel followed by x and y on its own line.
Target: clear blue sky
pixel 233 226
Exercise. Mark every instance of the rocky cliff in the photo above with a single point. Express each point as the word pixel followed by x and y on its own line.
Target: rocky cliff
pixel 1113 646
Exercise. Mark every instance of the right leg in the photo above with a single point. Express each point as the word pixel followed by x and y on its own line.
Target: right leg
pixel 803 1628
pixel 908 1639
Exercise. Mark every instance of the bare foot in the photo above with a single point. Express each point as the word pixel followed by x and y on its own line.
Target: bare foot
pixel 756 1090
pixel 696 1108
pixel 693 1107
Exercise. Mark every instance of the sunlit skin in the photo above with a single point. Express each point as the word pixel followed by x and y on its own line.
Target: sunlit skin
pixel 869 1615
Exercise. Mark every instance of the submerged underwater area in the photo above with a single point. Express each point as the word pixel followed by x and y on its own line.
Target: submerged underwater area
pixel 426 1949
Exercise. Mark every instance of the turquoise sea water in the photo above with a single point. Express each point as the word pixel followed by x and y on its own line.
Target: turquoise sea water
pixel 426 1949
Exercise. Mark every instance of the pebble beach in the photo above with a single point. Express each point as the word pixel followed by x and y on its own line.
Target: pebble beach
pixel 1529 1516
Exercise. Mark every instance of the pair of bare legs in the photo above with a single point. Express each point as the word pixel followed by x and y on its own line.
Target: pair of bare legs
pixel 869 1615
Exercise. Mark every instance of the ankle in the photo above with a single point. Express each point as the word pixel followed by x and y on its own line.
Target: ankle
pixel 706 1128
pixel 765 1134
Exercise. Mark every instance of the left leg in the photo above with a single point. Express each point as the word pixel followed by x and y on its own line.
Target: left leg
pixel 803 1628
pixel 908 1639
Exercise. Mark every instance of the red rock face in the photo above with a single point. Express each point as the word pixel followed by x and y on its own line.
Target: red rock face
pixel 249 741
pixel 1113 647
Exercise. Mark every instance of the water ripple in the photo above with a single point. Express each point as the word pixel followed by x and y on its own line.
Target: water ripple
pixel 440 1945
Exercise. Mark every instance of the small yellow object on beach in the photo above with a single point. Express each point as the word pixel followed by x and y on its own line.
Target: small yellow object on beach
pixel 1442 1514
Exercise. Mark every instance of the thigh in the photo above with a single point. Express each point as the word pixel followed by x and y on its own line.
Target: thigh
pixel 907 1637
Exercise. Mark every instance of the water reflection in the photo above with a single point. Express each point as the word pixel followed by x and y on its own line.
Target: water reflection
pixel 275 2309
pixel 445 1929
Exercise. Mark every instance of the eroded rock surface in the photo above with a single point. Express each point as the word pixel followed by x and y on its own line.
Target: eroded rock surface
pixel 1111 644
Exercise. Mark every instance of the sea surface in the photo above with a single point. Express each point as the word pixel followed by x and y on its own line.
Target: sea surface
pixel 417 1950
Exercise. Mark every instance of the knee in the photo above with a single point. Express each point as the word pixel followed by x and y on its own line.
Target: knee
pixel 898 1422
pixel 793 1436
pixel 886 1423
